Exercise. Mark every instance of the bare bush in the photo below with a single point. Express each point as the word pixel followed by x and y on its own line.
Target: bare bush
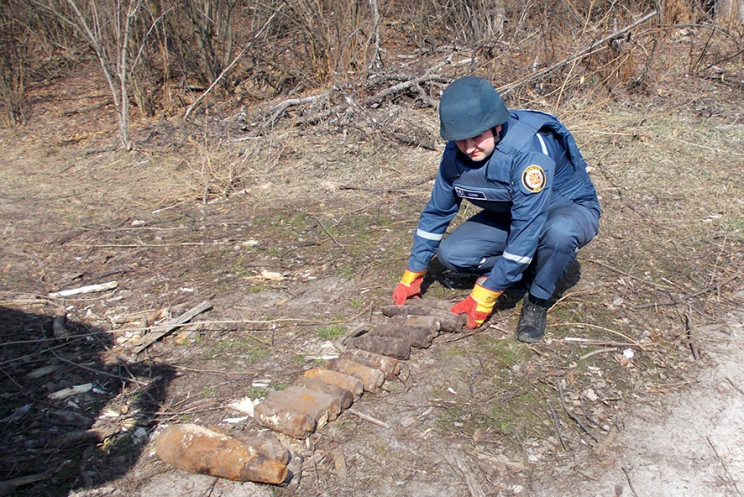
pixel 14 51
pixel 167 54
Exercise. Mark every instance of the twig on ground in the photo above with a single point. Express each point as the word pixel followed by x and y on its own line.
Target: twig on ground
pixel 93 370
pixel 596 352
pixel 556 425
pixel 101 287
pixel 690 338
pixel 636 278
pixel 571 414
pixel 677 300
pixel 213 371
pixel 369 418
pixel 597 327
pixel 460 336
pixel 732 480
pixel 630 483
pixel 608 343
pixel 320 223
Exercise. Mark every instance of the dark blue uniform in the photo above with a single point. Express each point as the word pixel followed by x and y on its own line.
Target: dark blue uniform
pixel 538 203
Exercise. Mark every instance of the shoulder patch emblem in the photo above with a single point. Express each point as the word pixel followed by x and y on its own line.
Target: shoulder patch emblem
pixel 533 178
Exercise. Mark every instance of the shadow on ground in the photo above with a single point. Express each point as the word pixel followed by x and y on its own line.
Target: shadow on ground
pixel 73 414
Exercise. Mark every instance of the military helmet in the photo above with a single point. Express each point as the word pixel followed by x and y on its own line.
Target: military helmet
pixel 470 106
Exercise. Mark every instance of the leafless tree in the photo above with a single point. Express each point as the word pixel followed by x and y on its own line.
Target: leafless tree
pixel 106 27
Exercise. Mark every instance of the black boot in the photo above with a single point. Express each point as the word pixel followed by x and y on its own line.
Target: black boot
pixel 531 327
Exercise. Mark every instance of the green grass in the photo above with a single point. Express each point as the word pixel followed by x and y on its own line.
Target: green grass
pixel 331 332
pixel 207 391
pixel 258 288
pixel 505 352
pixel 239 267
pixel 451 352
pixel 242 348
pixel 254 392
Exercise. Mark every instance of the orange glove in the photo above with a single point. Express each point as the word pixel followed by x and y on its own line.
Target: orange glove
pixel 409 287
pixel 478 306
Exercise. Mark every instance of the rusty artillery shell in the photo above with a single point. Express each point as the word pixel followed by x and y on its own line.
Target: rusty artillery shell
pixel 344 397
pixel 428 322
pixel 451 323
pixel 372 379
pixel 389 366
pixel 398 348
pixel 350 383
pixel 416 336
pixel 199 450
pixel 265 443
pixel 296 411
pixel 447 321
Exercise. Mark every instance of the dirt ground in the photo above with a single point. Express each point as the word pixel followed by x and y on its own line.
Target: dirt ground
pixel 296 239
pixel 687 443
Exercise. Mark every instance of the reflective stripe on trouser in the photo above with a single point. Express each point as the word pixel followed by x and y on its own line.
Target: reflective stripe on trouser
pixel 477 243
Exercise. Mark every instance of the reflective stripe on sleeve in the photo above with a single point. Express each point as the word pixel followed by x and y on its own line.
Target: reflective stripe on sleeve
pixel 428 236
pixel 542 144
pixel 516 258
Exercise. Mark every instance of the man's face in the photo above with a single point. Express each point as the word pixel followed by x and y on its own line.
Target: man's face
pixel 478 147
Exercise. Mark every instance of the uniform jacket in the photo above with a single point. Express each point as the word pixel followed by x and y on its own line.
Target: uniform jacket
pixel 536 167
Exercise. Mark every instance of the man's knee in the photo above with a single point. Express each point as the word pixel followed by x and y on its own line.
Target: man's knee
pixel 453 257
pixel 562 233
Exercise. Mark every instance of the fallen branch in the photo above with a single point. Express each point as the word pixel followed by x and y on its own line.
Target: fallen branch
pixel 9 486
pixel 278 110
pixel 171 325
pixel 579 55
pixel 102 287
pixel 275 112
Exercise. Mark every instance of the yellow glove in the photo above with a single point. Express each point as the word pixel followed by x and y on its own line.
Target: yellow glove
pixel 478 306
pixel 409 287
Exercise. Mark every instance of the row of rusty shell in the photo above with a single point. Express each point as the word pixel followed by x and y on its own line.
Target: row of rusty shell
pixel 324 392
pixel 367 361
pixel 314 399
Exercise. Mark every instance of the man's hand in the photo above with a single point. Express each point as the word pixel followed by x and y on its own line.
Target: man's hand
pixel 478 306
pixel 409 287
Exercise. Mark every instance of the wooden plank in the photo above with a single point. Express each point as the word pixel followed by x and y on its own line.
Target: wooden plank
pixel 171 325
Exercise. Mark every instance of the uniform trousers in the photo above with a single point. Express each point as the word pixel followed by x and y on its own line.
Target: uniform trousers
pixel 476 245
